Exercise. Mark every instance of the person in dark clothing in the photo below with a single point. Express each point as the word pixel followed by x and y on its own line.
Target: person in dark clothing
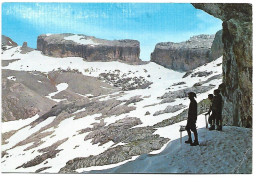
pixel 192 118
pixel 211 116
pixel 217 108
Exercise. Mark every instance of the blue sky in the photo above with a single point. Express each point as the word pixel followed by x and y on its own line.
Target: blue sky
pixel 148 23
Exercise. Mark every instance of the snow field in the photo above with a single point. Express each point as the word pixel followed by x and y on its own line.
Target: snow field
pixel 17 124
pixel 75 146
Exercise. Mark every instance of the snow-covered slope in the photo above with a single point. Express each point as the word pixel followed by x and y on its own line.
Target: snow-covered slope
pixel 84 126
pixel 219 152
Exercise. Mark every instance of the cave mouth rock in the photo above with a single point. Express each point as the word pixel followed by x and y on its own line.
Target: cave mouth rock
pixel 237 60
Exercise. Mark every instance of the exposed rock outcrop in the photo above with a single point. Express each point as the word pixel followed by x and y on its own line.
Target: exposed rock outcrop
pixel 179 83
pixel 6 41
pixel 183 56
pixel 237 60
pixel 42 169
pixel 169 109
pixel 23 96
pixel 25 49
pixel 39 159
pixel 134 100
pixel 183 93
pixel 201 74
pixel 89 47
pixel 208 80
pixel 141 141
pixel 217 46
pixel 116 132
pixel 124 82
pixel 25 45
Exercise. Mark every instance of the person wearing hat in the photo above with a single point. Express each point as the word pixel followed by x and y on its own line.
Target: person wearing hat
pixel 192 118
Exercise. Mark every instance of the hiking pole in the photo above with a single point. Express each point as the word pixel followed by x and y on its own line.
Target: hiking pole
pixel 181 137
pixel 206 121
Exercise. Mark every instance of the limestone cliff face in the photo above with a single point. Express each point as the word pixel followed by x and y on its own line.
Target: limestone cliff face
pixel 237 60
pixel 183 56
pixel 217 46
pixel 88 47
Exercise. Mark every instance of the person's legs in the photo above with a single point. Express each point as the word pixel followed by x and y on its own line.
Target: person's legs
pixel 189 135
pixel 196 141
pixel 219 122
pixel 210 119
pixel 213 119
pixel 195 135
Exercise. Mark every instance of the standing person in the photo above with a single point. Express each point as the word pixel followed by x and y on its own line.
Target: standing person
pixel 192 118
pixel 211 116
pixel 217 107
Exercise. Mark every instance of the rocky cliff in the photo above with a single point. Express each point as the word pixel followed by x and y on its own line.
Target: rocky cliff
pixel 6 41
pixel 237 60
pixel 88 47
pixel 217 46
pixel 184 56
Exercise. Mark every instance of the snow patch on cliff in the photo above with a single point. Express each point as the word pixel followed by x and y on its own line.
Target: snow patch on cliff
pixel 81 40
